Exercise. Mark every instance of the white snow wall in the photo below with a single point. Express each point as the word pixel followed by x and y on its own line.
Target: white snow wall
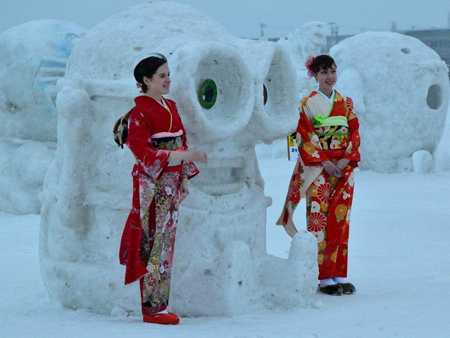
pixel 221 265
pixel 33 57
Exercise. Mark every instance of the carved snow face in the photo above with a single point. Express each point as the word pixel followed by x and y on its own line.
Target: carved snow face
pixel 312 35
pixel 400 91
pixel 33 57
pixel 252 98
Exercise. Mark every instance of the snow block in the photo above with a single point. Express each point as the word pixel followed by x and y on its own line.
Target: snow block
pixel 441 160
pixel 422 162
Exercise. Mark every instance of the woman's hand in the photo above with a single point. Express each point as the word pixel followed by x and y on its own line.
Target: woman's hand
pixel 184 189
pixel 196 155
pixel 331 168
pixel 342 163
pixel 188 155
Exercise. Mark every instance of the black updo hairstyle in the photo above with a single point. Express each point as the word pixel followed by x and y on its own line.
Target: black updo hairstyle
pixel 322 62
pixel 148 68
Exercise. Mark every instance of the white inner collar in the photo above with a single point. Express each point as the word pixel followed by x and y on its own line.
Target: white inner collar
pixel 329 99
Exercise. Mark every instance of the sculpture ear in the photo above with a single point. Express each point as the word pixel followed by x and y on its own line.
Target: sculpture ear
pixel 350 84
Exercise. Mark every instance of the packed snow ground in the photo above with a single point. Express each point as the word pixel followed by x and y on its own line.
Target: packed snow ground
pixel 398 260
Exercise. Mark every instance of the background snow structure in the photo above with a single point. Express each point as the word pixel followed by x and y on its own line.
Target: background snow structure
pixel 301 43
pixel 221 265
pixel 400 90
pixel 33 57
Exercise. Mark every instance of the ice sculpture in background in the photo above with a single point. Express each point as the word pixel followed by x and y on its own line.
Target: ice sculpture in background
pixel 33 57
pixel 231 93
pixel 400 89
pixel 304 41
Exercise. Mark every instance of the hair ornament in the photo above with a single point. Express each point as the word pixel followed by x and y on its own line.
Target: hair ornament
pixel 139 85
pixel 309 65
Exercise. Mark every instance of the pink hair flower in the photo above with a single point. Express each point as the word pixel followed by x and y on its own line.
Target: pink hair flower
pixel 309 65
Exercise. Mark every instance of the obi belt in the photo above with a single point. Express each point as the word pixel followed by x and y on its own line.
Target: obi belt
pixel 168 143
pixel 172 143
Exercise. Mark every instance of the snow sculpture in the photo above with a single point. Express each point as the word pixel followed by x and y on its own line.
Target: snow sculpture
pixel 304 41
pixel 33 57
pixel 221 266
pixel 400 90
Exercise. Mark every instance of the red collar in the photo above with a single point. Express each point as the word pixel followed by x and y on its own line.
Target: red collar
pixel 144 99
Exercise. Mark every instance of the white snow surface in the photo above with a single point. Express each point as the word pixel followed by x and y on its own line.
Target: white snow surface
pixel 398 260
pixel 400 91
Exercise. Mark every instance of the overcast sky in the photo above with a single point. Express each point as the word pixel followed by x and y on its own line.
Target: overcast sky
pixel 242 18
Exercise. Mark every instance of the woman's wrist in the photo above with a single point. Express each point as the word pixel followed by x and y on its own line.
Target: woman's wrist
pixel 176 156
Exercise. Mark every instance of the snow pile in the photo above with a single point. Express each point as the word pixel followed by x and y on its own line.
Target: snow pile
pixel 221 265
pixel 400 90
pixel 303 42
pixel 33 57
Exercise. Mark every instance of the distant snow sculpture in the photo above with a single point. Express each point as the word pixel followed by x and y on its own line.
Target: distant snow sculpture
pixel 400 90
pixel 221 265
pixel 33 57
pixel 304 41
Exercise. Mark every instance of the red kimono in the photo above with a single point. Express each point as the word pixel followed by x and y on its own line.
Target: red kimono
pixel 326 131
pixel 149 235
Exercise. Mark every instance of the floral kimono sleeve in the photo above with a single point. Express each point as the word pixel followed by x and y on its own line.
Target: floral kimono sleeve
pixel 189 169
pixel 352 151
pixel 151 160
pixel 308 142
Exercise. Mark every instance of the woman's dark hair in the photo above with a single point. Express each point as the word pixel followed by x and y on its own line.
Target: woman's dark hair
pixel 322 62
pixel 148 68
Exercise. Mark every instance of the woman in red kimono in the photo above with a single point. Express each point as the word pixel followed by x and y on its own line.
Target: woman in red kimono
pixel 163 167
pixel 328 143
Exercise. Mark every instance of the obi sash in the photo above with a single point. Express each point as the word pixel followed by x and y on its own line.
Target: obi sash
pixel 168 143
pixel 329 121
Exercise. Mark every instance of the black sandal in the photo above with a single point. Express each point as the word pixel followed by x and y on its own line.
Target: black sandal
pixel 348 288
pixel 333 290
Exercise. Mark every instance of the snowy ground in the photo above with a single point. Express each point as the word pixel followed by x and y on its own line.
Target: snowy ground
pixel 399 262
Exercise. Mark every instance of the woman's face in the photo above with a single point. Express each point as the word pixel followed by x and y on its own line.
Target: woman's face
pixel 327 78
pixel 159 84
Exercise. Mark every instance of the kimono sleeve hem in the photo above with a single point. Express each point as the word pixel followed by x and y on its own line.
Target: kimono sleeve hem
pixel 351 157
pixel 189 170
pixel 164 162
pixel 191 176
pixel 132 280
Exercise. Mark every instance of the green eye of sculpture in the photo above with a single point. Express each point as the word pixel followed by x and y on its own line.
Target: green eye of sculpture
pixel 208 94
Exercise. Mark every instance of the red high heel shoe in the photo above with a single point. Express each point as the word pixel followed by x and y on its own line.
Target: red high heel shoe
pixel 162 318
